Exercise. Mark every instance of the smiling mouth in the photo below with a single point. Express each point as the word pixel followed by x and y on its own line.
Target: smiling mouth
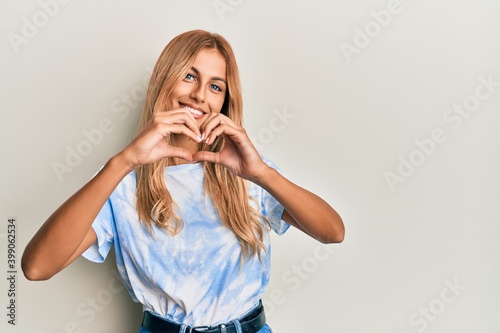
pixel 194 112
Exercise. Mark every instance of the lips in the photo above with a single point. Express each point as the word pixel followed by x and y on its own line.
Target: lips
pixel 197 113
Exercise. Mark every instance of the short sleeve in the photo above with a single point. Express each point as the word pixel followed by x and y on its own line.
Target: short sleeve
pixel 271 208
pixel 103 227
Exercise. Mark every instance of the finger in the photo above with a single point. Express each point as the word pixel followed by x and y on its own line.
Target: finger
pixel 179 152
pixel 212 122
pixel 224 129
pixel 156 133
pixel 223 124
pixel 139 156
pixel 177 117
pixel 207 157
pixel 166 129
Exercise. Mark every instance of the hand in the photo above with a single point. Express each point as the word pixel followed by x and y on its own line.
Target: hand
pixel 150 145
pixel 237 154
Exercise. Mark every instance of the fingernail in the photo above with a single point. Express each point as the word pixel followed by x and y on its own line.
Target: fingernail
pixel 202 136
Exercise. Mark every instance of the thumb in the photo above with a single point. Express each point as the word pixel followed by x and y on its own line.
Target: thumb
pixel 180 152
pixel 207 156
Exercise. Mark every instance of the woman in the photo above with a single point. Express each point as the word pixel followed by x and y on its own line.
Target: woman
pixel 188 204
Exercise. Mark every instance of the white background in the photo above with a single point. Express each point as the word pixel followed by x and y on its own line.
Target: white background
pixel 352 119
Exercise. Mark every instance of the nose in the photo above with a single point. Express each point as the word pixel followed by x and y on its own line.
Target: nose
pixel 198 93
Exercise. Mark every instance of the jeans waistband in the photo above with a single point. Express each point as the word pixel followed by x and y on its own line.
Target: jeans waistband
pixel 251 323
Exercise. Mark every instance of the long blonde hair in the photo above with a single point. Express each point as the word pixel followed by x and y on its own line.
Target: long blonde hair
pixel 228 192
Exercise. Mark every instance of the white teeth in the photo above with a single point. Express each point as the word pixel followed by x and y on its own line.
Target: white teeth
pixel 194 111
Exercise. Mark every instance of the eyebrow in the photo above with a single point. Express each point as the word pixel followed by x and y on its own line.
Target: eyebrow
pixel 197 72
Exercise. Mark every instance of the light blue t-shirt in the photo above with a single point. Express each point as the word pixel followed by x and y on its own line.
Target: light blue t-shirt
pixel 193 277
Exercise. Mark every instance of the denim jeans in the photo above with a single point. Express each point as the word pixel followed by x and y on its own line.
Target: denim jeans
pixel 265 329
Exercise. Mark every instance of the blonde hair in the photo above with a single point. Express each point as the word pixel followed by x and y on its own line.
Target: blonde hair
pixel 228 192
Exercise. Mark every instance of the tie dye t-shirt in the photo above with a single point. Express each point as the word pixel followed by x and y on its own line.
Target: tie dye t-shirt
pixel 193 277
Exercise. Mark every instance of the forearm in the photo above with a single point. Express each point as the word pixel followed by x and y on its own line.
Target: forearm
pixel 63 232
pixel 303 209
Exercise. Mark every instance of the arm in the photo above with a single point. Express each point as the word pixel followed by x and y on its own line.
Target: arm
pixel 303 209
pixel 68 232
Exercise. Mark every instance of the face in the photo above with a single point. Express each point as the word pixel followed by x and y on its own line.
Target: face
pixel 204 87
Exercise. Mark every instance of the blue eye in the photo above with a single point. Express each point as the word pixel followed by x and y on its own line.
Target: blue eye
pixel 190 76
pixel 215 87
